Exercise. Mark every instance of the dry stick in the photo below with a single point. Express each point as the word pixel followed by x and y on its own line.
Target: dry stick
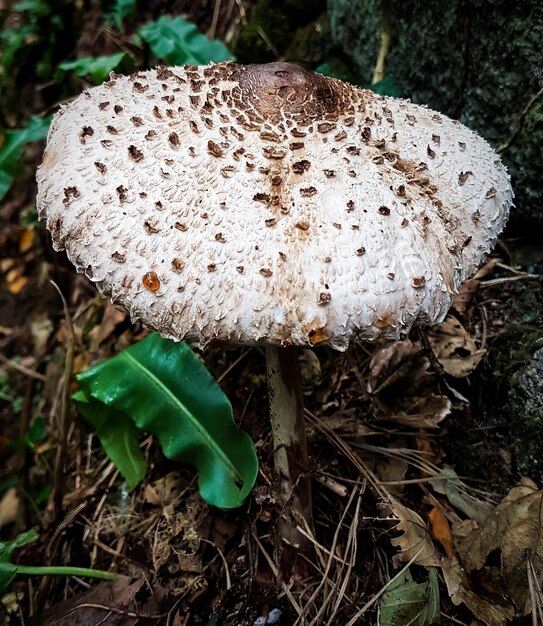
pixel 21 368
pixel 376 597
pixel 331 556
pixel 64 413
pixel 215 20
pixel 386 38
pixel 520 123
pixel 289 440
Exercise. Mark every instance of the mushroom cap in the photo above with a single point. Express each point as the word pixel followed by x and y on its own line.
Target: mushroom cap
pixel 268 204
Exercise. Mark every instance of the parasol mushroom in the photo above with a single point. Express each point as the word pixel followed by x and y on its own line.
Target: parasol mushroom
pixel 268 205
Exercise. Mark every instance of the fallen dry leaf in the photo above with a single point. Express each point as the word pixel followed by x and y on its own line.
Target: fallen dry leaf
pixel 15 280
pixel 490 613
pixel 515 529
pixel 441 530
pixel 403 389
pixel 110 319
pixel 415 540
pixel 127 601
pixel 26 240
pixel 9 507
pixel 454 348
pixel 449 484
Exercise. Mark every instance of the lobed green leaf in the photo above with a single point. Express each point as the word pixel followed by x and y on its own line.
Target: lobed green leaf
pixel 13 147
pixel 97 68
pixel 122 9
pixel 167 391
pixel 118 435
pixel 179 42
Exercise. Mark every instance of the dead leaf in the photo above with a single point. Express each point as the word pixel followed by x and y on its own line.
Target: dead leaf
pixel 41 328
pixel 26 240
pixel 15 280
pixel 394 363
pixel 110 319
pixel 490 613
pixel 454 348
pixel 441 530
pixel 415 540
pixel 464 297
pixel 403 389
pixel 127 601
pixel 165 491
pixel 449 485
pixel 515 529
pixel 9 507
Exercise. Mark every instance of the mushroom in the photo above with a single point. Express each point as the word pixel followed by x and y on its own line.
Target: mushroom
pixel 268 205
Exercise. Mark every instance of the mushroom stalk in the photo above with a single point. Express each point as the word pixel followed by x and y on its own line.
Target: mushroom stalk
pixel 289 440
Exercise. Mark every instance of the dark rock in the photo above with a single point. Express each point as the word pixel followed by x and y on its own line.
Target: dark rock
pixel 526 406
pixel 478 61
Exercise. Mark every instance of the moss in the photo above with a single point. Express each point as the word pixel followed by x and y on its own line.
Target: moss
pixel 526 406
pixel 479 61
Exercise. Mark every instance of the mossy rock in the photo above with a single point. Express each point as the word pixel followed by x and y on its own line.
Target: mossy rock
pixel 526 406
pixel 480 62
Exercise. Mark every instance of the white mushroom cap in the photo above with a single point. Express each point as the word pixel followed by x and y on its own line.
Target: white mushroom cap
pixel 267 204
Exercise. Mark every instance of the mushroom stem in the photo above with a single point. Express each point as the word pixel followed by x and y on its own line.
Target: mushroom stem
pixel 289 440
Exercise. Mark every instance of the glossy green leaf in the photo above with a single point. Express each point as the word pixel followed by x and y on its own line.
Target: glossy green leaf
pixel 118 435
pixel 167 391
pixel 97 68
pixel 408 603
pixel 13 148
pixel 179 42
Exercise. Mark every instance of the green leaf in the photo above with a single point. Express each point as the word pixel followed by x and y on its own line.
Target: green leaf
pixel 167 391
pixel 9 570
pixel 122 9
pixel 118 435
pixel 13 148
pixel 6 550
pixel 179 42
pixel 408 603
pixel 336 68
pixel 98 68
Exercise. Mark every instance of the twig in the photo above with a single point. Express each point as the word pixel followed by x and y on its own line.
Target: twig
pixel 376 597
pixel 268 42
pixel 215 19
pixel 21 368
pixel 275 572
pixel 64 413
pixel 232 366
pixel 523 115
pixel 386 38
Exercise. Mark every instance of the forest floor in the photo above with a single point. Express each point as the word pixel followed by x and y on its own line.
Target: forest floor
pixel 413 466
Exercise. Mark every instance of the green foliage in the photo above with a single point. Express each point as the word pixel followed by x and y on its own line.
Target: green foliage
pixel 118 435
pixel 97 68
pixel 9 570
pixel 36 433
pixel 6 550
pixel 338 69
pixel 166 390
pixel 121 9
pixel 13 147
pixel 32 43
pixel 178 42
pixel 408 603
